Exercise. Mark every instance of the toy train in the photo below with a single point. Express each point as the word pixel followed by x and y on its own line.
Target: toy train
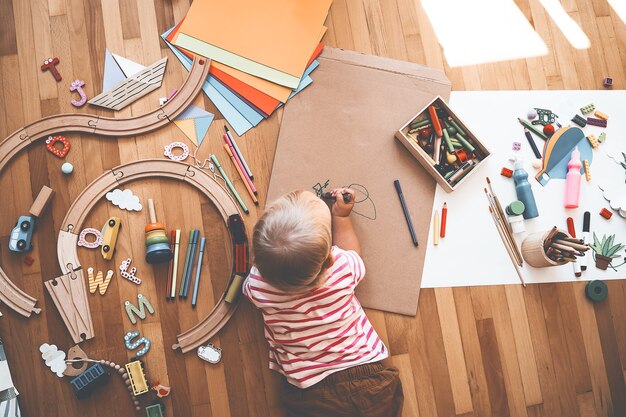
pixel 137 377
pixel 91 379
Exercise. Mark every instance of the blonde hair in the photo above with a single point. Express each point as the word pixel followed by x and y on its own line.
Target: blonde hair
pixel 292 241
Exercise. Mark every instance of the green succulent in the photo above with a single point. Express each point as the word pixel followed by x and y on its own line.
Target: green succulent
pixel 605 247
pixel 623 163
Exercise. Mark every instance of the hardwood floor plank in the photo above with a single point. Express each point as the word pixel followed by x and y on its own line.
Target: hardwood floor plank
pixel 493 367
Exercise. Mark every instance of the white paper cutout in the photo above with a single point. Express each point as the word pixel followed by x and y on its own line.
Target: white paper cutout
pixel 124 199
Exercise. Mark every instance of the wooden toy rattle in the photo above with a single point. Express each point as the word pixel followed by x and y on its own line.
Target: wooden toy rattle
pixel 157 244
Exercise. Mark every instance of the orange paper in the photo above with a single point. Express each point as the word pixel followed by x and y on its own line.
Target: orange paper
pixel 279 34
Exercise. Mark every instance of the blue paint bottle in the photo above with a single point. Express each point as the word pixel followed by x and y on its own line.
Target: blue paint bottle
pixel 524 190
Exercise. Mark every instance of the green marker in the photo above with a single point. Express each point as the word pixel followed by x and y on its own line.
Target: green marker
pixel 229 184
pixel 532 128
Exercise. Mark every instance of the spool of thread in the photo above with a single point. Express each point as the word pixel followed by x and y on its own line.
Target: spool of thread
pixel 158 247
pixel 596 291
pixel 515 208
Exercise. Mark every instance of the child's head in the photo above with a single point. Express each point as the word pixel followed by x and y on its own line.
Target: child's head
pixel 292 241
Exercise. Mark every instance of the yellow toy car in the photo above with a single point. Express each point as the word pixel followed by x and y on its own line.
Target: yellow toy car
pixel 109 237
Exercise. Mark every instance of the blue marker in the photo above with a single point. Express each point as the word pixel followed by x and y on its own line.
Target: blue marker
pixel 192 250
pixel 195 285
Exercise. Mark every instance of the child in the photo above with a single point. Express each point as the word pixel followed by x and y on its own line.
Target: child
pixel 319 337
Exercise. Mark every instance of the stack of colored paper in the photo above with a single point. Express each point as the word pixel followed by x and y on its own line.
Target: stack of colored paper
pixel 262 52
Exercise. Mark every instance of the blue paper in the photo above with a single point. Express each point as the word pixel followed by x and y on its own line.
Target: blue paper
pixel 239 114
pixel 567 140
pixel 239 123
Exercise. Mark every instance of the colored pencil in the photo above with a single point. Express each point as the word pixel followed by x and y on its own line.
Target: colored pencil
pixel 237 160
pixel 243 161
pixel 229 184
pixel 242 175
pixel 196 283
pixel 168 289
pixel 532 143
pixel 175 268
pixel 444 217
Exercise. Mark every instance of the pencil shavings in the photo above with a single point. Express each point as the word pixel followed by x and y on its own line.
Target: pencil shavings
pixel 615 197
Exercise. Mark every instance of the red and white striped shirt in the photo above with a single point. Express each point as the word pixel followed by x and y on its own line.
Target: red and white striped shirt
pixel 316 333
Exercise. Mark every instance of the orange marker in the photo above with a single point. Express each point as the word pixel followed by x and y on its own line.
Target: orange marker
pixel 433 117
pixel 444 215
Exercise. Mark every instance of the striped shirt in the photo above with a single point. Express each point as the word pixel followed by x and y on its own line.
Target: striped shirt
pixel 316 333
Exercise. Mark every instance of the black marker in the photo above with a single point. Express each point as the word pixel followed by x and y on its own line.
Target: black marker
pixel 347 197
pixel 406 211
pixel 587 240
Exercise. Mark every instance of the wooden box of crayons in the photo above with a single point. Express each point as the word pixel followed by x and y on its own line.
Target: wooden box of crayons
pixel 443 144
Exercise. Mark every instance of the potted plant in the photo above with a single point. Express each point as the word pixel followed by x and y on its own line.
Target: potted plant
pixel 605 250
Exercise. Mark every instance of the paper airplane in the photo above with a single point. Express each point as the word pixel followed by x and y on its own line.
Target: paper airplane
pixel 126 81
pixel 194 123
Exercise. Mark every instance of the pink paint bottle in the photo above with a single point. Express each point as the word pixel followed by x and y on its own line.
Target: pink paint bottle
pixel 572 180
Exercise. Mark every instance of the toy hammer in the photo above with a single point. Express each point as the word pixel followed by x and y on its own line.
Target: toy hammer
pixel 50 64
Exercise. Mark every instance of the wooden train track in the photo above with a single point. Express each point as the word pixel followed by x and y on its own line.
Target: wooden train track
pixel 148 168
pixel 12 296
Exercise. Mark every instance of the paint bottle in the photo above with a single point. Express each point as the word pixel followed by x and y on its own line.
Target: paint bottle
pixel 572 180
pixel 524 191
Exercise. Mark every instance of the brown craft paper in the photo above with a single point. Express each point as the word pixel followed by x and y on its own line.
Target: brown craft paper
pixel 342 129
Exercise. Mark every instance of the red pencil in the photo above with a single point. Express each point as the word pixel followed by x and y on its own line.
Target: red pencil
pixel 444 215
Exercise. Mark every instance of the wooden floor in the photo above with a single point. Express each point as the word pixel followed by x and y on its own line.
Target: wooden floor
pixel 483 351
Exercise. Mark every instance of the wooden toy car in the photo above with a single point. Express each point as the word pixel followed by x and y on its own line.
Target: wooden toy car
pixel 109 237
pixel 22 234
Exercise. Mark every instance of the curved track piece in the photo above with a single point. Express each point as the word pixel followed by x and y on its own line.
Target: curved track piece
pixel 151 168
pixel 12 296
pixel 207 328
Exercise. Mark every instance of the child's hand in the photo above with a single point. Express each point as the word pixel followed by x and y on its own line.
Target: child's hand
pixel 340 208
